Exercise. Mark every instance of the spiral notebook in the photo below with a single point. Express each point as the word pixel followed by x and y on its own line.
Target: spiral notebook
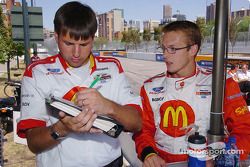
pixel 108 125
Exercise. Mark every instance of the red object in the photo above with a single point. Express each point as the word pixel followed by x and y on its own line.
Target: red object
pixel 34 58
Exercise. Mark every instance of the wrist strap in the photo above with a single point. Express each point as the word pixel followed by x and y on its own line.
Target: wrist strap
pixel 54 134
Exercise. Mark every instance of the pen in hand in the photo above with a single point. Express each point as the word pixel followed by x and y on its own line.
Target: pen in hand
pixel 95 81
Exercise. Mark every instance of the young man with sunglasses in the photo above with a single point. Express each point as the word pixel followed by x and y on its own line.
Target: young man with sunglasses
pixel 179 100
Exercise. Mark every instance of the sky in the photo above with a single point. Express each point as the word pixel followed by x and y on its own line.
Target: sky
pixel 136 9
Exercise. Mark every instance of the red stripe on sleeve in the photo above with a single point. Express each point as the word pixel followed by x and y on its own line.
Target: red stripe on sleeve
pixel 24 125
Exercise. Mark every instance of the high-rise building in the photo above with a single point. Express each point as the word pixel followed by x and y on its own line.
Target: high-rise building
pixel 118 23
pixel 210 13
pixel 235 14
pixel 167 13
pixel 134 24
pixel 103 25
pixel 111 24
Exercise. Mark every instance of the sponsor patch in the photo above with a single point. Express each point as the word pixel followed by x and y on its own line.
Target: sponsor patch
pixel 54 71
pixel 25 103
pixel 105 77
pixel 158 99
pixel 198 85
pixel 27 95
pixel 234 96
pixel 241 110
pixel 179 85
pixel 203 90
pixel 203 93
pixel 101 69
pixel 157 90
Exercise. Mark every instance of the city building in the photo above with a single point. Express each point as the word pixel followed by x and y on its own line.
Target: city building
pixel 210 13
pixel 134 24
pixel 151 24
pixel 118 20
pixel 167 13
pixel 240 13
pixel 111 24
pixel 178 17
pixel 102 25
pixel 6 7
pixel 169 17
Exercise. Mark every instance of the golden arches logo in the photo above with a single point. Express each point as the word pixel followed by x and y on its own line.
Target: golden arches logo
pixel 175 116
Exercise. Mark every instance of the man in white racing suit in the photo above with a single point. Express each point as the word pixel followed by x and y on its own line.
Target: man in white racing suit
pixel 61 140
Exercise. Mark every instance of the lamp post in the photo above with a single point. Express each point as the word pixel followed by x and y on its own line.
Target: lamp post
pixel 26 31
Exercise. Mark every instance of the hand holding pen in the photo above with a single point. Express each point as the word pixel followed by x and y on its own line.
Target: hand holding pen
pixel 91 98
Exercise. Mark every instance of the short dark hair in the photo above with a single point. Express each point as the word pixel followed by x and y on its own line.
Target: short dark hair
pixel 77 19
pixel 189 28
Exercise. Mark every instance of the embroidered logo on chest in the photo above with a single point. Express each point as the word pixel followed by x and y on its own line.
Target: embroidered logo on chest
pixel 175 115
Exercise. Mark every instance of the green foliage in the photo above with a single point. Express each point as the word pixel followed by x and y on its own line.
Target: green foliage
pixel 125 37
pixel 8 49
pixel 157 34
pixel 146 35
pixel 3 30
pixel 131 37
pixel 99 42
pixel 209 28
pixel 233 30
pixel 201 22
pixel 244 24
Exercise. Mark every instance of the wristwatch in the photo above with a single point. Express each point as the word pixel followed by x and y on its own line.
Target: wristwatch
pixel 54 134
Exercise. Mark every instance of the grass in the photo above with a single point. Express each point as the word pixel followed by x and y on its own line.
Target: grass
pixel 17 155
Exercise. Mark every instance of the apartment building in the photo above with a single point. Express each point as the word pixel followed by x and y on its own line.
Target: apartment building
pixel 151 24
pixel 111 24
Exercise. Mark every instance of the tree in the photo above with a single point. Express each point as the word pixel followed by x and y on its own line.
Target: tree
pixel 209 30
pixel 100 42
pixel 3 35
pixel 157 34
pixel 3 29
pixel 233 31
pixel 131 37
pixel 146 37
pixel 201 22
pixel 8 48
pixel 135 38
pixel 243 26
pixel 125 39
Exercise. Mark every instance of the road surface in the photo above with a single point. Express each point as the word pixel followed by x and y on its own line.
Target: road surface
pixel 138 71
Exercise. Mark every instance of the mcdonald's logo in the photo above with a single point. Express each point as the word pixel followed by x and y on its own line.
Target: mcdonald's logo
pixel 175 114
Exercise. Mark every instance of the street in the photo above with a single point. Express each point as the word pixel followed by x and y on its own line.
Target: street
pixel 138 71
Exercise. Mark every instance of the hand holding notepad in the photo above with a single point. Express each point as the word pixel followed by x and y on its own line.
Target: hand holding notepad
pixel 108 125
